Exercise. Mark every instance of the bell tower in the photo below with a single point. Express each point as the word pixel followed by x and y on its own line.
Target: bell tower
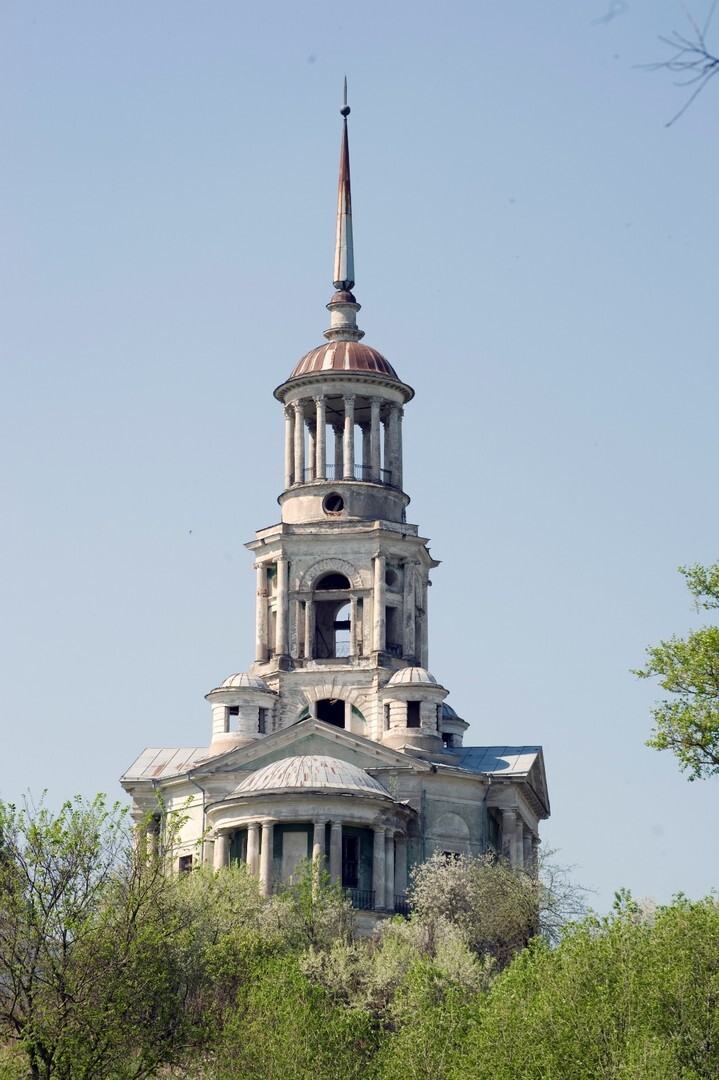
pixel 342 580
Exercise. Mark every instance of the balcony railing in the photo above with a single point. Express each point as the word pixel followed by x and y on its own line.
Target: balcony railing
pixel 360 472
pixel 361 899
pixel 402 906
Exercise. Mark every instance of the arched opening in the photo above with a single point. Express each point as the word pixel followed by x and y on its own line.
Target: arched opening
pixel 333 614
pixel 332 711
pixel 342 631
pixel 331 583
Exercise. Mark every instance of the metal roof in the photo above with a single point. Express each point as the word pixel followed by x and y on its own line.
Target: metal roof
pixel 342 356
pixel 503 760
pixel 309 772
pixel 157 763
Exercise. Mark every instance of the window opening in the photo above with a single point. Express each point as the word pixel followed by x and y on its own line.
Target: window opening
pixel 350 862
pixel 386 716
pixel 413 719
pixel 262 722
pixel 332 711
pixel 333 503
pixel 342 631
pixel 185 864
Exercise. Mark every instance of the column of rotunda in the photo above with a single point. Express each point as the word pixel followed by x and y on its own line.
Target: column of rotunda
pixel 389 859
pixel 306 456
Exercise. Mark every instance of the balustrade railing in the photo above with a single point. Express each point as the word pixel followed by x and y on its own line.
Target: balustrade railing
pixel 361 899
pixel 360 472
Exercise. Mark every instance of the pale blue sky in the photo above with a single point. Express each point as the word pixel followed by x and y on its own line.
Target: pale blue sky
pixel 536 255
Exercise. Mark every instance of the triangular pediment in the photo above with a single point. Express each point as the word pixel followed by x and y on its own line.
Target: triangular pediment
pixel 537 780
pixel 307 737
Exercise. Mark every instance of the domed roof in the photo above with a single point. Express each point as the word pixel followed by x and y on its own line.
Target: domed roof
pixel 308 773
pixel 345 356
pixel 243 681
pixel 411 675
pixel 449 712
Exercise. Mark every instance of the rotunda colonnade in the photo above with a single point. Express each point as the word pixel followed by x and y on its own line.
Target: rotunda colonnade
pixel 271 828
pixel 310 420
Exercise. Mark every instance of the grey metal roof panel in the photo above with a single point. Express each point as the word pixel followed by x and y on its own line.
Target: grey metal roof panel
pixel 503 760
pixel 157 763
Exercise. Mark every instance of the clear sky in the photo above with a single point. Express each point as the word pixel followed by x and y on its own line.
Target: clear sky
pixel 535 254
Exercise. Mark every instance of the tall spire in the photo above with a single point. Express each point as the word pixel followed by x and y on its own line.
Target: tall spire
pixel 343 307
pixel 344 271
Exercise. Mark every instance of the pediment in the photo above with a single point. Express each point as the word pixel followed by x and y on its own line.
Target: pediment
pixel 537 780
pixel 307 737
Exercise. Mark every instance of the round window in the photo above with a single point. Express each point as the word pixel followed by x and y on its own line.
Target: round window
pixel 391 578
pixel 333 503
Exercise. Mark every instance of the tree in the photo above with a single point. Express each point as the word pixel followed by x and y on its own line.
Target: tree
pixel 691 59
pixel 631 995
pixel 91 969
pixel 688 668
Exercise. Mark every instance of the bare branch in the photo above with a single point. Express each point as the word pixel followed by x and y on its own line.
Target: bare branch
pixel 692 60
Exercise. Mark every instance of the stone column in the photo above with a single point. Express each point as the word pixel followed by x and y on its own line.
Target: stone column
pixel 535 853
pixel 400 865
pixel 519 841
pixel 339 467
pixel 336 853
pixel 266 857
pixel 222 851
pixel 397 479
pixel 311 449
pixel 528 857
pixel 289 445
pixel 378 866
pixel 366 453
pixel 318 842
pixel 261 613
pixel 378 629
pixel 349 440
pixel 295 650
pixel 281 642
pixel 353 626
pixel 389 870
pixel 509 823
pixel 424 626
pixel 387 449
pixel 321 439
pixel 309 629
pixel 253 847
pixel 299 443
pixel 408 605
pixel 374 438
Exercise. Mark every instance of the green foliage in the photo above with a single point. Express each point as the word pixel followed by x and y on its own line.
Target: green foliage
pixel 630 996
pixel 286 1028
pixel 688 668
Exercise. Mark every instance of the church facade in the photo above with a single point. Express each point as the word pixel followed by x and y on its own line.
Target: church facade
pixel 338 743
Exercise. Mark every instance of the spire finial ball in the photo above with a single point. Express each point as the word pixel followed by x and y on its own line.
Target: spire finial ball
pixel 345 111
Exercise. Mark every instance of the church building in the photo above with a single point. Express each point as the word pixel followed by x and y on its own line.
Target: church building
pixel 338 743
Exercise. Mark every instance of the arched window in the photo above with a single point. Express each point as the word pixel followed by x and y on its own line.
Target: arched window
pixel 333 614
pixel 332 711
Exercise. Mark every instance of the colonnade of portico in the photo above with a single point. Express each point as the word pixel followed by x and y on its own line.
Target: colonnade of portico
pixel 519 845
pixel 389 855
pixel 306 449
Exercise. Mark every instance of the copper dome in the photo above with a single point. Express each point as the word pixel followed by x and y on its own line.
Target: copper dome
pixel 343 356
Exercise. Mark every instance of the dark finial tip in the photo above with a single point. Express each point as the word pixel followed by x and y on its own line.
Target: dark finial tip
pixel 345 111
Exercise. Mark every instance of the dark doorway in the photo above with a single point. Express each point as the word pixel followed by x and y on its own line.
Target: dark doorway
pixel 350 862
pixel 332 711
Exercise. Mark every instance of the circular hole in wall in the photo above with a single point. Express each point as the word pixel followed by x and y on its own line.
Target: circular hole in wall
pixel 391 578
pixel 333 503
